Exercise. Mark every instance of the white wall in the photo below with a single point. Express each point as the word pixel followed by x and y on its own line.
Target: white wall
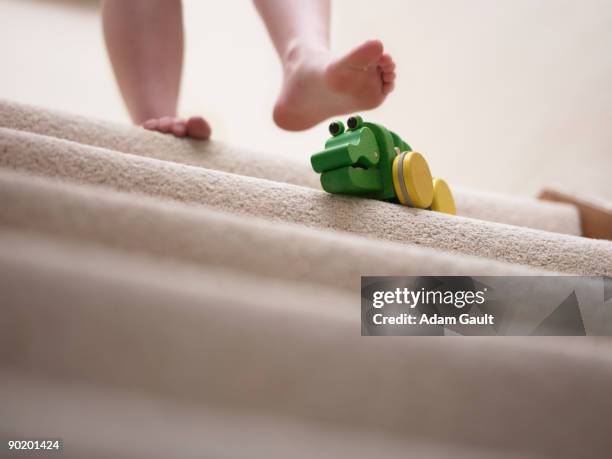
pixel 506 95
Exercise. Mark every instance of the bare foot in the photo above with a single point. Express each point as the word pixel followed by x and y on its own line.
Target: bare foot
pixel 318 85
pixel 195 127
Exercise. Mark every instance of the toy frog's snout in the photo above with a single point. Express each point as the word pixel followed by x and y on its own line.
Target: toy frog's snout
pixel 356 148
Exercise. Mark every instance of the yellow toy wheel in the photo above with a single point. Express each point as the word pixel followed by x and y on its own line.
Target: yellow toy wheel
pixel 443 200
pixel 412 180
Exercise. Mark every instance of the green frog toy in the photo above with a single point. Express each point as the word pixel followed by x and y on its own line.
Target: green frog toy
pixel 369 160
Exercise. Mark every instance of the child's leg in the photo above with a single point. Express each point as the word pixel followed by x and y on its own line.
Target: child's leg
pixel 145 44
pixel 317 84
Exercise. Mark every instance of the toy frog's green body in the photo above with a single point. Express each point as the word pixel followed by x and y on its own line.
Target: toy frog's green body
pixel 359 161
pixel 371 161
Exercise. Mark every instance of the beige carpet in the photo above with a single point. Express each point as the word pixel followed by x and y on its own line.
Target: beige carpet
pixel 190 299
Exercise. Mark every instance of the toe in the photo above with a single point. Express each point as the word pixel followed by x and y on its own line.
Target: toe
pixel 386 61
pixel 388 87
pixel 365 55
pixel 390 67
pixel 198 128
pixel 151 124
pixel 165 124
pixel 388 77
pixel 179 128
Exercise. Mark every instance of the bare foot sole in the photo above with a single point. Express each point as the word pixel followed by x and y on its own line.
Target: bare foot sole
pixel 318 85
pixel 195 127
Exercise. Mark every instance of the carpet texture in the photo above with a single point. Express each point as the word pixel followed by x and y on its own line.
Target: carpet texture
pixel 206 299
pixel 281 201
pixel 530 213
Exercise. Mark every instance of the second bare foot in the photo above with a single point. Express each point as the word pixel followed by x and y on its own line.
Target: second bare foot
pixel 195 127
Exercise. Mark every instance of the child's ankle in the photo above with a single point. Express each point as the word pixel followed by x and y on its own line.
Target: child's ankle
pixel 298 50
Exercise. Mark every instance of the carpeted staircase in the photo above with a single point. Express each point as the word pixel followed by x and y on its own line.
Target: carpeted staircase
pixel 188 299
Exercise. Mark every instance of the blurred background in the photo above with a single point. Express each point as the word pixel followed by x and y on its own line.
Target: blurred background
pixel 506 95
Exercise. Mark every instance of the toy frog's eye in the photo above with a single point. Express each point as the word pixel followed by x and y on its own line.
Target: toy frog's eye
pixel 336 128
pixel 354 122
